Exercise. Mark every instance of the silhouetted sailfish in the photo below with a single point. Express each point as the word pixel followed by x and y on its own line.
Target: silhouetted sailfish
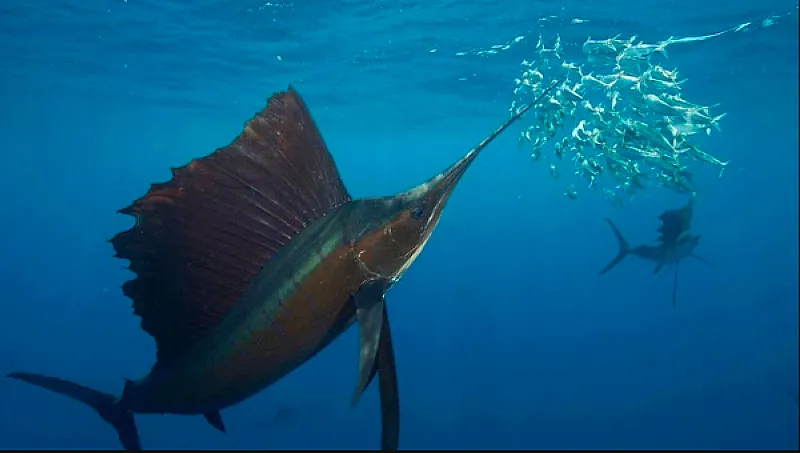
pixel 251 260
pixel 676 244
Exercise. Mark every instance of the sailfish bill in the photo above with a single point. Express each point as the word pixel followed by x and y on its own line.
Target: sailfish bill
pixel 251 260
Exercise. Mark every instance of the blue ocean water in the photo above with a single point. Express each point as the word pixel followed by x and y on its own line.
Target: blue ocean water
pixel 505 336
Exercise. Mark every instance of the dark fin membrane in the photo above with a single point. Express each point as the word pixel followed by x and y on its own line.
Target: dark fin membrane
pixel 675 223
pixel 105 405
pixel 202 236
pixel 215 419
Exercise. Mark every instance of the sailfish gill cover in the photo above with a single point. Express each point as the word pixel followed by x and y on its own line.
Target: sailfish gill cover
pixel 504 336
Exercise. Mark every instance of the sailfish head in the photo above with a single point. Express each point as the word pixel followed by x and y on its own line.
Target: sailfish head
pixel 407 221
pixel 684 246
pixel 401 225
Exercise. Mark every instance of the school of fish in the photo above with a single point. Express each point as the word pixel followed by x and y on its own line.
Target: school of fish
pixel 620 113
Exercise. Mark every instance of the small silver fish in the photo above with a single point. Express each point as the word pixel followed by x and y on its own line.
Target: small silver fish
pixel 612 197
pixel 658 72
pixel 571 192
pixel 658 86
pixel 592 81
pixel 703 156
pixel 568 94
pixel 558 150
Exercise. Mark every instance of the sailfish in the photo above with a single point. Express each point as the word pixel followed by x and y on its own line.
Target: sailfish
pixel 251 260
pixel 676 243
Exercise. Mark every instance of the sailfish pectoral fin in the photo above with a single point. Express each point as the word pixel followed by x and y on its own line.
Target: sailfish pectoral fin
pixel 658 268
pixel 700 258
pixel 369 314
pixel 215 419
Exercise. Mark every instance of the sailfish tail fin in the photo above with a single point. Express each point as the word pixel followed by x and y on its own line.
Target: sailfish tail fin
pixel 105 405
pixel 624 248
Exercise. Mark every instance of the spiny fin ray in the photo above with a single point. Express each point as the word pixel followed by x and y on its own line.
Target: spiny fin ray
pixel 202 236
pixel 675 223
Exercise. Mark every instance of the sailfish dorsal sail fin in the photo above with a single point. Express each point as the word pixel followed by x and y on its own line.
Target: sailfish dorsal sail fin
pixel 201 237
pixel 675 224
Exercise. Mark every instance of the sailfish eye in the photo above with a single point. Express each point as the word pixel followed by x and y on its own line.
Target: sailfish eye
pixel 417 213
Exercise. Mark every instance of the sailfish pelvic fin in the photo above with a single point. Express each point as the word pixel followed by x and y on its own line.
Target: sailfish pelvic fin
pixel 675 283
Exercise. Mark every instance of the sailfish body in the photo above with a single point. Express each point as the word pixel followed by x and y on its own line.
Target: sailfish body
pixel 675 243
pixel 251 260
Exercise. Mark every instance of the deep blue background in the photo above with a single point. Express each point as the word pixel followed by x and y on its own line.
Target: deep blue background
pixel 505 337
